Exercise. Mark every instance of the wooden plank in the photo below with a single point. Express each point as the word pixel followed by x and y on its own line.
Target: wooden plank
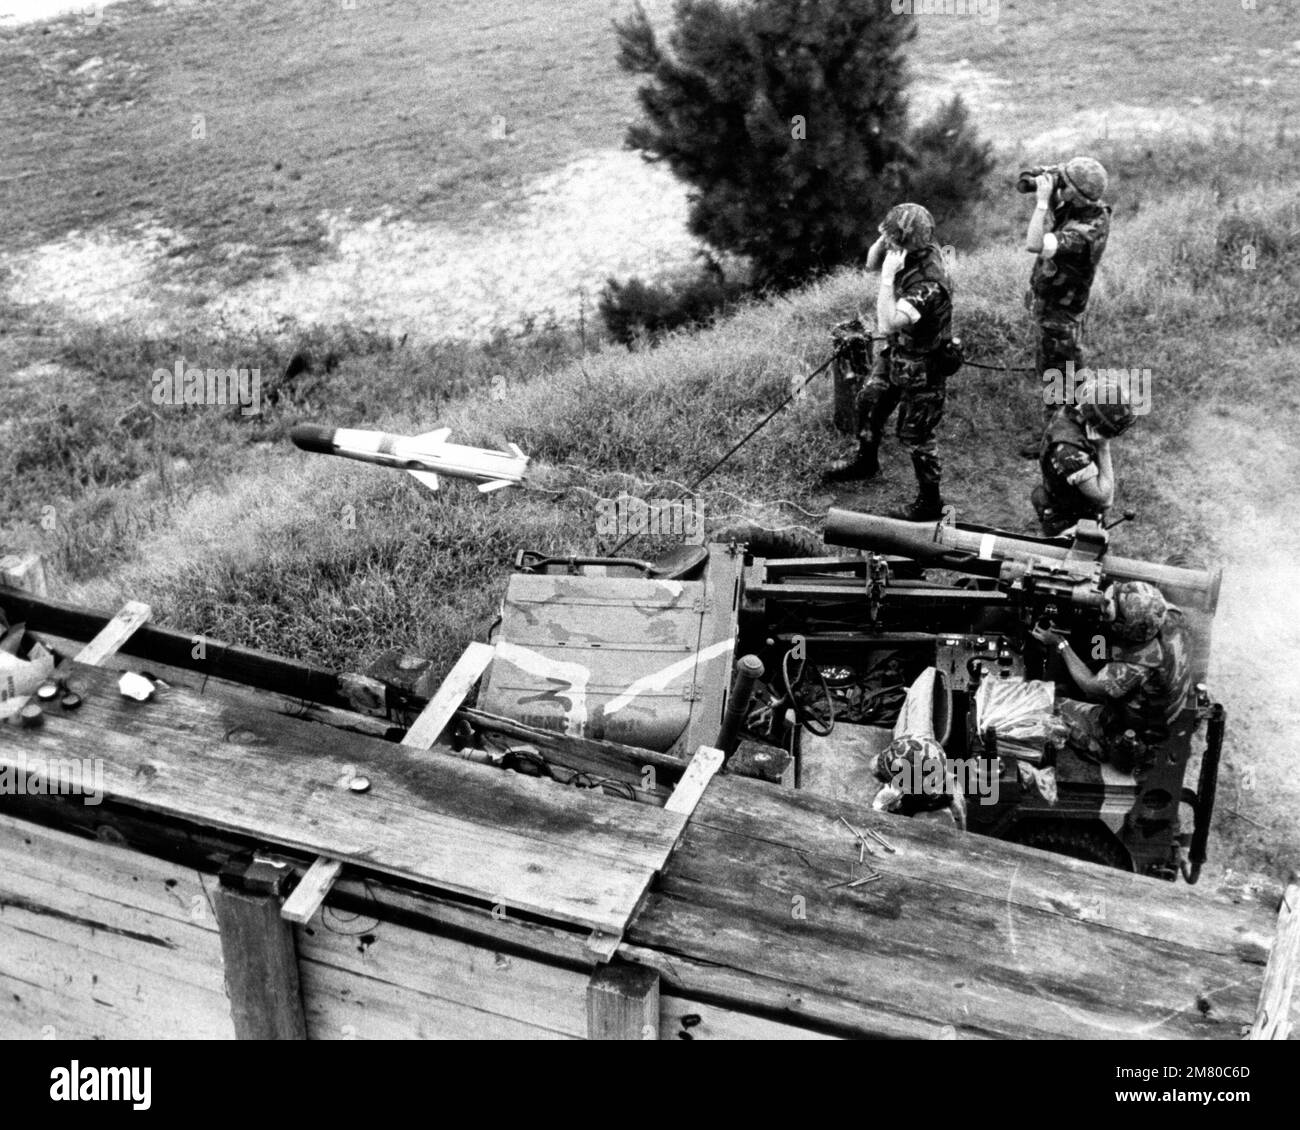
pixel 113 886
pixel 309 894
pixel 341 1009
pixel 190 846
pixel 99 941
pixel 113 1009
pixel 156 644
pixel 713 678
pixel 362 957
pixel 981 867
pixel 135 983
pixel 446 701
pixel 204 684
pixel 115 633
pixel 921 954
pixel 623 1003
pixel 261 966
pixel 1273 1014
pixel 526 844
pixel 706 762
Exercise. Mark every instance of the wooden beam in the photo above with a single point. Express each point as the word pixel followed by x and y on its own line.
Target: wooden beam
pixel 1273 1016
pixel 307 896
pixel 706 762
pixel 24 571
pixel 315 886
pixel 261 963
pixel 115 633
pixel 446 701
pixel 155 645
pixel 623 1003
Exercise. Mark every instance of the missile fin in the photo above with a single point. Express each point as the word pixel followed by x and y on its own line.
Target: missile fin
pixel 495 484
pixel 436 437
pixel 428 478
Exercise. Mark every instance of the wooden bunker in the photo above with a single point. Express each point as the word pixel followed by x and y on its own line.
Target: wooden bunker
pixel 263 860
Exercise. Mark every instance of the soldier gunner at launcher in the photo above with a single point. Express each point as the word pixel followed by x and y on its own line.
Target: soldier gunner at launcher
pixel 914 311
pixel 1143 686
pixel 1067 252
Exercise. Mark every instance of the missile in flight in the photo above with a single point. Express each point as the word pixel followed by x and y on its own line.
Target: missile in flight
pixel 424 456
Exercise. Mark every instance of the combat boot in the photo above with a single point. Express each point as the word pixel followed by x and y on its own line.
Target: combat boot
pixel 864 465
pixel 926 507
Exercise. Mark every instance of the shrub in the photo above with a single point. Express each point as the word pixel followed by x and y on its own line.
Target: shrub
pixel 788 118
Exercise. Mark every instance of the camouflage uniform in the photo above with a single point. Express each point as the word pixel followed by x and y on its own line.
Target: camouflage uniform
pixel 1066 458
pixel 1146 686
pixel 1059 288
pixel 903 376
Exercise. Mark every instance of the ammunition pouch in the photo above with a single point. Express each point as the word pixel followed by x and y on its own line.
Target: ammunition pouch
pixel 948 358
pixel 909 372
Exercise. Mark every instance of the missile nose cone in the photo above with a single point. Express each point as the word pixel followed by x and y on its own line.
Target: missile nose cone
pixel 312 437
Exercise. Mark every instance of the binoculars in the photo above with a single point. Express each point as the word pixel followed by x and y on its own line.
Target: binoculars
pixel 1026 181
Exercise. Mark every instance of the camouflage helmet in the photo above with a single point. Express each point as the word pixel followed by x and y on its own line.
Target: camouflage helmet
pixel 909 225
pixel 916 766
pixel 1087 176
pixel 1140 611
pixel 1103 402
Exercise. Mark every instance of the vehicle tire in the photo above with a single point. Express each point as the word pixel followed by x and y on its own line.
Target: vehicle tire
pixel 1089 842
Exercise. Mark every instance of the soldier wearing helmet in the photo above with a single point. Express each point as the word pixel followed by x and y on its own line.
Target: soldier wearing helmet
pixel 1142 687
pixel 1074 455
pixel 918 780
pixel 914 313
pixel 1067 234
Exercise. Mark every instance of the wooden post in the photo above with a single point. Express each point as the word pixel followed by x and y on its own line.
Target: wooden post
pixel 260 955
pixel 24 571
pixel 623 1003
pixel 1273 1016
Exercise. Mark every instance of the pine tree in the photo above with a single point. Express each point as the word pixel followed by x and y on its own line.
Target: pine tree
pixel 788 119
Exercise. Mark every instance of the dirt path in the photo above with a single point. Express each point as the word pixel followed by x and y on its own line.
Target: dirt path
pixel 1256 638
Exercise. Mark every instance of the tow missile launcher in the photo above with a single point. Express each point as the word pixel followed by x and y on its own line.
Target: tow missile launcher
pixel 799 667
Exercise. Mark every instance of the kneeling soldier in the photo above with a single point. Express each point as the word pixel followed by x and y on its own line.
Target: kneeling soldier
pixel 1074 456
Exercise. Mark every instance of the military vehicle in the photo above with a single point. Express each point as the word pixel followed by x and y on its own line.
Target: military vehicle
pixel 804 661
pixel 799 666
